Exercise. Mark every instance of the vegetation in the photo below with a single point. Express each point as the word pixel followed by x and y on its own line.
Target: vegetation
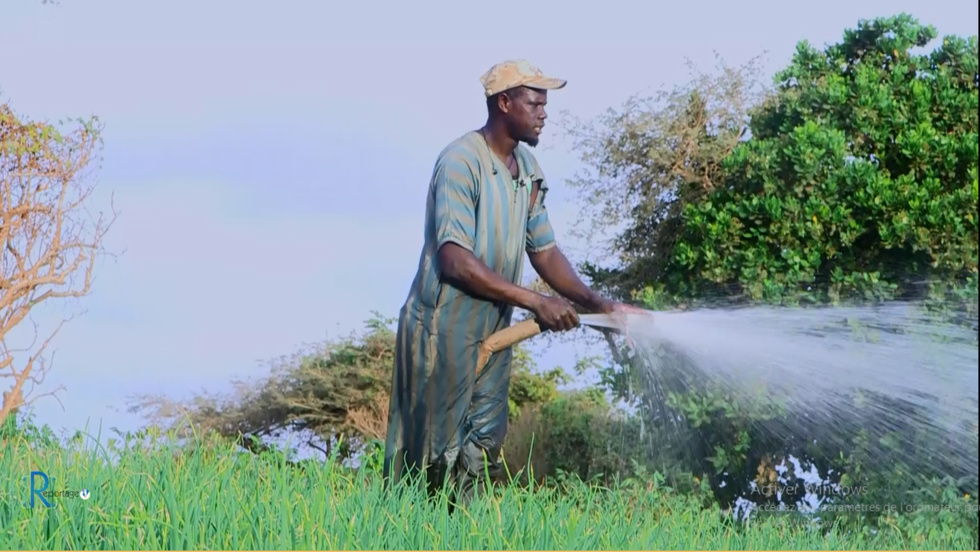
pixel 209 494
pixel 48 240
pixel 858 179
pixel 334 393
pixel 852 180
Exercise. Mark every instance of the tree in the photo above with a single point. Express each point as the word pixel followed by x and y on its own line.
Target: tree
pixel 336 391
pixel 648 161
pixel 49 240
pixel 856 179
pixel 859 179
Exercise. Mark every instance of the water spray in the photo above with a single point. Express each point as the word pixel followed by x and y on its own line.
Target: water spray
pixel 888 369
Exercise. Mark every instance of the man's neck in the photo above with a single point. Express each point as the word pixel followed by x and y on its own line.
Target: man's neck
pixel 498 140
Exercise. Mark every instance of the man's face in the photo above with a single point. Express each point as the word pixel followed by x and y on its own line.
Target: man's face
pixel 525 114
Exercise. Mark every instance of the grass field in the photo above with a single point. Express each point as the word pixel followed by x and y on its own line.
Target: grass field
pixel 213 498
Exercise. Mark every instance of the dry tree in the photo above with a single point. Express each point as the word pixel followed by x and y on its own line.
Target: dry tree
pixel 49 241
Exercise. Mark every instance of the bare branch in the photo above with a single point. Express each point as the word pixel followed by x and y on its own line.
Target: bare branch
pixel 49 242
pixel 647 161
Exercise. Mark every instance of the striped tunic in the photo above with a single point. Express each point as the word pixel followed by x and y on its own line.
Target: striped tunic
pixel 440 414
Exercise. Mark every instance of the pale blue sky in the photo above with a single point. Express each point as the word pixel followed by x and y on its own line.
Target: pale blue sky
pixel 248 144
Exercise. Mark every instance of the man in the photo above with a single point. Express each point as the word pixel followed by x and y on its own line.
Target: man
pixel 486 207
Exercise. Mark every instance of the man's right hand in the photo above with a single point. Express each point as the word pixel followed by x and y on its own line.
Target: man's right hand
pixel 555 314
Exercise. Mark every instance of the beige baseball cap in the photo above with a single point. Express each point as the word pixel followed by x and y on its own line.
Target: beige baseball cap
pixel 513 73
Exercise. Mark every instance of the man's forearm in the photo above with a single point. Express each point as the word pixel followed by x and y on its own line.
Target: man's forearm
pixel 463 269
pixel 557 272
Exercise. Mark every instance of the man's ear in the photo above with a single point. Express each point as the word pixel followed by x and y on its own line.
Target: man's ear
pixel 503 102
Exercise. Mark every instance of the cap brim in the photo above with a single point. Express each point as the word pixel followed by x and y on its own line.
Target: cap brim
pixel 546 83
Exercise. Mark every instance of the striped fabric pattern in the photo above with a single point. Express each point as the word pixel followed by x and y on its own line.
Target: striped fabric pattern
pixel 440 415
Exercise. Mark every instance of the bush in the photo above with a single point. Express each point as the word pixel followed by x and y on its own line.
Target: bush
pixel 580 435
pixel 858 180
pixel 855 183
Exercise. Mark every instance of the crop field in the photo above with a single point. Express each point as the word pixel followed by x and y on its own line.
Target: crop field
pixel 211 497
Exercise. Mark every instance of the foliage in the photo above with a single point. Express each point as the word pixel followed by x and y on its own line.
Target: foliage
pixel 896 463
pixel 857 181
pixel 157 495
pixel 335 392
pixel 925 508
pixel 528 387
pixel 49 241
pixel 559 436
pixel 580 435
pixel 646 162
pixel 332 390
pixel 854 179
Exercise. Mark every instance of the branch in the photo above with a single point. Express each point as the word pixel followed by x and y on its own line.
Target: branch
pixel 49 242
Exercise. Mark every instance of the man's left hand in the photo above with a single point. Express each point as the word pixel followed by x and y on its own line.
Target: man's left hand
pixel 613 307
pixel 620 313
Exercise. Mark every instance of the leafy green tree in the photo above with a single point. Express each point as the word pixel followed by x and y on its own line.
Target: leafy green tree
pixel 855 178
pixel 650 159
pixel 859 180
